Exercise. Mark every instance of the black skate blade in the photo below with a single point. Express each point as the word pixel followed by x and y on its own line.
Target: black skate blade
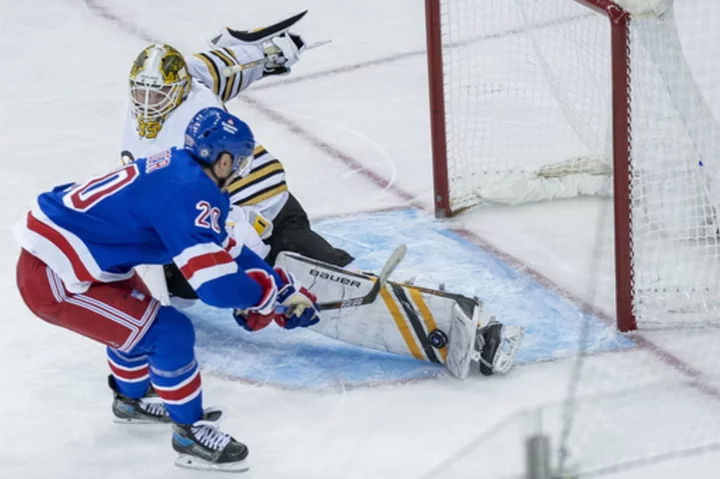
pixel 190 462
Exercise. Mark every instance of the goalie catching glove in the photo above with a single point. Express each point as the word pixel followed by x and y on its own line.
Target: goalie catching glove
pixel 282 52
pixel 290 307
pixel 280 48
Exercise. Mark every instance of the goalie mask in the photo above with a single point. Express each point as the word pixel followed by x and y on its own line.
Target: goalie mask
pixel 159 83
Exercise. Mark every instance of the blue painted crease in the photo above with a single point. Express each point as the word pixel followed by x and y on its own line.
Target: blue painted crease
pixel 304 359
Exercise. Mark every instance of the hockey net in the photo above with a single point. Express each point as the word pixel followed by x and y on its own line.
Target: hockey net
pixel 546 99
pixel 538 100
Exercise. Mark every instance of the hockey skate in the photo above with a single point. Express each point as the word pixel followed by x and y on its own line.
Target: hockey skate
pixel 148 409
pixel 472 348
pixel 203 446
pixel 496 347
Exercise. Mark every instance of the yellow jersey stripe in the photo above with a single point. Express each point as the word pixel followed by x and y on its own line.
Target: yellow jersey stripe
pixel 255 199
pixel 212 68
pixel 427 316
pixel 228 81
pixel 401 324
pixel 239 75
pixel 232 54
pixel 253 177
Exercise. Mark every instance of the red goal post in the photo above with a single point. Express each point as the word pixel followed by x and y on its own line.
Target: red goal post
pixel 462 157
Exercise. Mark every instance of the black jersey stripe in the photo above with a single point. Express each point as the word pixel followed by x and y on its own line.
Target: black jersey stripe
pixel 238 78
pixel 267 165
pixel 231 54
pixel 262 174
pixel 240 189
pixel 263 194
pixel 227 90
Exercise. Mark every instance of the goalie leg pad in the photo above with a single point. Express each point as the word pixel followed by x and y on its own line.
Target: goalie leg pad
pixel 461 341
pixel 426 324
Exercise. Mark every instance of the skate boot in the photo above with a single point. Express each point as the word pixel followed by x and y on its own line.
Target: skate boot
pixel 203 446
pixel 496 346
pixel 148 409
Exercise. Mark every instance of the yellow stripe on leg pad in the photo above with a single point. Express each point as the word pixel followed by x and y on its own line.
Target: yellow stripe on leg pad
pixel 427 316
pixel 401 324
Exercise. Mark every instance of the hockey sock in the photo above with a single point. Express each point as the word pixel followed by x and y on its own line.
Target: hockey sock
pixel 169 344
pixel 181 391
pixel 131 373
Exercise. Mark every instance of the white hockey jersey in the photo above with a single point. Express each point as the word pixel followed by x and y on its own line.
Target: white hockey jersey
pixel 264 190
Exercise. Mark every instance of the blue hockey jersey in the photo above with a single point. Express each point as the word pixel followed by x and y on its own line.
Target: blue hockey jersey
pixel 151 211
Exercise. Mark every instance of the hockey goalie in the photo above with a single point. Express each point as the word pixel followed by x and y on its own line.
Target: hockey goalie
pixel 429 325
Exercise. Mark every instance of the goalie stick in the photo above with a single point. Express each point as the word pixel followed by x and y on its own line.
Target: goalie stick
pixel 263 33
pixel 392 262
pixel 260 35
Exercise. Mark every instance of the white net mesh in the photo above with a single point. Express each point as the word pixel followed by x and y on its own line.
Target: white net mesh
pixel 674 172
pixel 516 101
pixel 528 118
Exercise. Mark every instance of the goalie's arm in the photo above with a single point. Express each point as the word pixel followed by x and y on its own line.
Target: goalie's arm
pixel 240 58
pixel 207 68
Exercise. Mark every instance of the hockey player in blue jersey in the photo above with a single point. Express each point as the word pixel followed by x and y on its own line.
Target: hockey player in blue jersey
pixel 79 247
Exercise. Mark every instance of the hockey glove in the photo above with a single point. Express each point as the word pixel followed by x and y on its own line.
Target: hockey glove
pixel 262 226
pixel 257 317
pixel 296 303
pixel 282 52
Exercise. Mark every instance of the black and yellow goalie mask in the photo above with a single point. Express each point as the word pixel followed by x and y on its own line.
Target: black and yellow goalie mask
pixel 159 83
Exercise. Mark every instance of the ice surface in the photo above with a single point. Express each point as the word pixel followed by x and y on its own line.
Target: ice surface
pixel 361 98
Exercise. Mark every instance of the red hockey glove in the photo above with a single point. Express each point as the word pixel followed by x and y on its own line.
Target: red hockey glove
pixel 257 317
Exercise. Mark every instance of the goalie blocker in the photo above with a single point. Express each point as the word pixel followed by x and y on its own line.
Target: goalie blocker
pixel 430 325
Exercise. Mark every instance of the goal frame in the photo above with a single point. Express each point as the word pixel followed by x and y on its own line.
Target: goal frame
pixel 621 78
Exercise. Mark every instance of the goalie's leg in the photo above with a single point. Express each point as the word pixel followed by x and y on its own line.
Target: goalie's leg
pixel 430 325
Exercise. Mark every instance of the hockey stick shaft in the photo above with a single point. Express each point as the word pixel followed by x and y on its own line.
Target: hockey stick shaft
pixel 230 71
pixel 392 262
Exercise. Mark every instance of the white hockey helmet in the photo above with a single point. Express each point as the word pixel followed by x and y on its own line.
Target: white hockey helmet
pixel 159 82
